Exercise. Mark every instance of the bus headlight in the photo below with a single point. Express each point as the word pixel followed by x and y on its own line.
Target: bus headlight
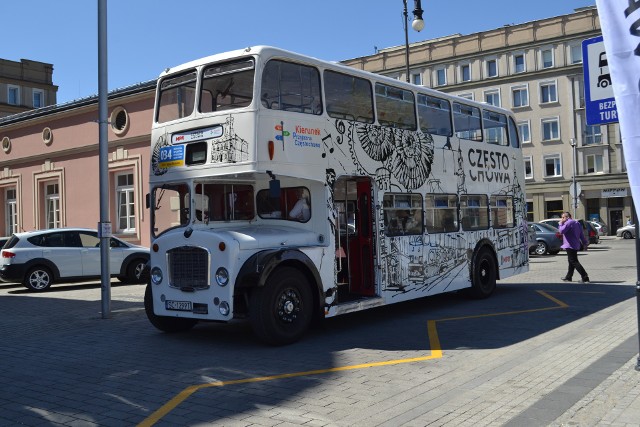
pixel 224 308
pixel 156 275
pixel 222 276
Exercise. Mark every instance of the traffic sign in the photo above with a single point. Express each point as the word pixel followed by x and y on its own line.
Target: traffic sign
pixel 578 189
pixel 600 104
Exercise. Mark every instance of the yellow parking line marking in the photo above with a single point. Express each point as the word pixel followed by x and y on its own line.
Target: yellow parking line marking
pixel 434 343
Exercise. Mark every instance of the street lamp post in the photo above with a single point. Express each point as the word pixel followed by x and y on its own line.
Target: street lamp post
pixel 574 202
pixel 417 24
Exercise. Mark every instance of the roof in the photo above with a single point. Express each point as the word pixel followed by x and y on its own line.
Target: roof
pixel 93 99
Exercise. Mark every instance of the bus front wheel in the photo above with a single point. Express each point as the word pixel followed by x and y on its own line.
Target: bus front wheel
pixel 483 274
pixel 282 309
pixel 165 323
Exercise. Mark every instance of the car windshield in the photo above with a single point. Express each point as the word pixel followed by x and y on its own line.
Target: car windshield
pixel 547 227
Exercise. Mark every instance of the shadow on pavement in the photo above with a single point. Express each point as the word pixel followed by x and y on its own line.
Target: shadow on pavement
pixel 62 351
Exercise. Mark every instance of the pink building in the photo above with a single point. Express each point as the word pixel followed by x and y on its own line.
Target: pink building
pixel 49 166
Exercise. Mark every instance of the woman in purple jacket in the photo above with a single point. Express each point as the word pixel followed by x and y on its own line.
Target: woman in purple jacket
pixel 573 240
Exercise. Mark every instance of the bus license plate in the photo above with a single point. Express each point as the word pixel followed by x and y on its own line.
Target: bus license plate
pixel 178 305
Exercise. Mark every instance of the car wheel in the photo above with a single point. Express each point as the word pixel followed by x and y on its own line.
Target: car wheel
pixel 38 279
pixel 627 235
pixel 282 309
pixel 165 323
pixel 135 271
pixel 541 249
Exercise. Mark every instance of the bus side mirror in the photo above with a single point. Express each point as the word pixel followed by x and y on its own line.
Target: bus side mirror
pixel 274 188
pixel 147 199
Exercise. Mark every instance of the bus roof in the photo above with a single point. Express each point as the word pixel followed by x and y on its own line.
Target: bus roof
pixel 270 51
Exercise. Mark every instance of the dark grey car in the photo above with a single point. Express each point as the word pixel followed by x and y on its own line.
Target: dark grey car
pixel 589 230
pixel 548 237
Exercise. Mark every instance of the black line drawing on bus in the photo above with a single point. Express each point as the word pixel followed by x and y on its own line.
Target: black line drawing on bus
pixel 604 79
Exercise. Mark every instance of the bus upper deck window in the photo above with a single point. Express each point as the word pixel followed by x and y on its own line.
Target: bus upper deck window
pixel 227 86
pixel 177 97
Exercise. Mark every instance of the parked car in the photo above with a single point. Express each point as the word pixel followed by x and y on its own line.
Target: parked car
pixel 601 229
pixel 627 232
pixel 548 238
pixel 40 258
pixel 589 230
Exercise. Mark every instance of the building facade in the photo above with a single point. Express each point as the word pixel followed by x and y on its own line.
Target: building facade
pixel 534 69
pixel 49 160
pixel 25 85
pixel 49 165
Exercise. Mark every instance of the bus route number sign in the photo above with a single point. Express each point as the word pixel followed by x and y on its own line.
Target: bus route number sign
pixel 171 156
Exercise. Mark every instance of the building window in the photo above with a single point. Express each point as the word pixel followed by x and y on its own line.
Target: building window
pixel 518 63
pixel 441 77
pixel 492 68
pixel 38 98
pixel 546 57
pixel 550 129
pixel 125 203
pixel 594 163
pixel 529 211
pixel 524 131
pixel 11 211
pixel 492 97
pixel 548 92
pixel 52 205
pixel 528 167
pixel 416 79
pixel 13 95
pixel 552 166
pixel 467 95
pixel 575 52
pixel 465 72
pixel 520 96
pixel 554 208
pixel 592 135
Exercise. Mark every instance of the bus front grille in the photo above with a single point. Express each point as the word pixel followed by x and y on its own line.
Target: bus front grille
pixel 188 268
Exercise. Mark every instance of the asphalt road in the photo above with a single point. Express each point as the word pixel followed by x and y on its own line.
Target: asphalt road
pixel 529 355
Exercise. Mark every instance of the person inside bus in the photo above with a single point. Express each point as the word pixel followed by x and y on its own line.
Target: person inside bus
pixel 301 210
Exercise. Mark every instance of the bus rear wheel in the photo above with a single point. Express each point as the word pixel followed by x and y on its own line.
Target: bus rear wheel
pixel 483 274
pixel 281 310
pixel 165 323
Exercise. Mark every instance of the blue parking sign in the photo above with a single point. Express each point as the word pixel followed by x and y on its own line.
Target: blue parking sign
pixel 599 102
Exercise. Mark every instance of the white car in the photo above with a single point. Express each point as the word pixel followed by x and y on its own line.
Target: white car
pixel 627 232
pixel 40 258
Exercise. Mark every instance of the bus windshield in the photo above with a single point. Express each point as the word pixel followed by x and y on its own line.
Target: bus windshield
pixel 175 205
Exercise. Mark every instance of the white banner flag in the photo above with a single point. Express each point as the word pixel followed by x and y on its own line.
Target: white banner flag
pixel 620 22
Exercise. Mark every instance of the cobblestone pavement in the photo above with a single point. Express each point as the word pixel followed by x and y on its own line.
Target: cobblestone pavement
pixel 538 352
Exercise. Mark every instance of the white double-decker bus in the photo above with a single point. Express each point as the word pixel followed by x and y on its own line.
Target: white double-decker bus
pixel 286 189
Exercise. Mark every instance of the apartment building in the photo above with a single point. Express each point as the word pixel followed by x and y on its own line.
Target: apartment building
pixel 25 85
pixel 534 69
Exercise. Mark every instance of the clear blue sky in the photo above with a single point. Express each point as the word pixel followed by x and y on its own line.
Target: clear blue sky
pixel 146 36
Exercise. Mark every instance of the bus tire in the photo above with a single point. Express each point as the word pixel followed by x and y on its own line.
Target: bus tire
pixel 483 274
pixel 164 323
pixel 281 310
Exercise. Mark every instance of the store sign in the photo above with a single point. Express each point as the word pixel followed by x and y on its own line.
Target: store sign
pixel 614 192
